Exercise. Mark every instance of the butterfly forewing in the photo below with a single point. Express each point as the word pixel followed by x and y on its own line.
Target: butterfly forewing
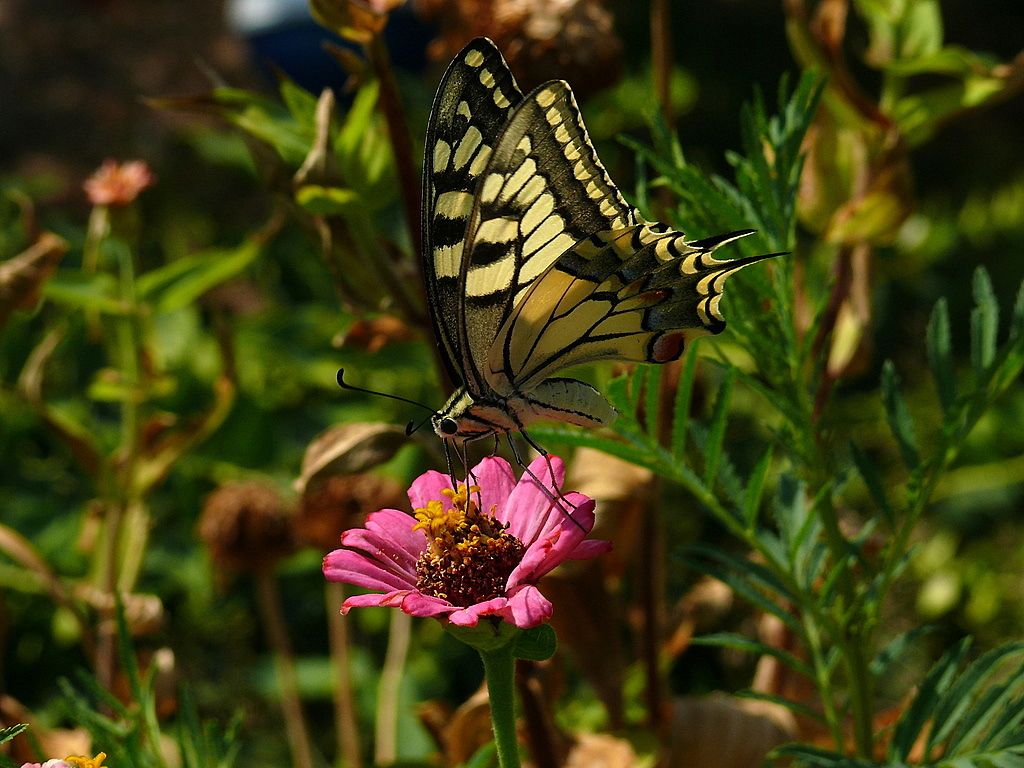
pixel 472 106
pixel 534 262
pixel 543 191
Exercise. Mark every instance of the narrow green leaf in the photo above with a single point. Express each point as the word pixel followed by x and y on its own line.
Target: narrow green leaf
pixel 899 416
pixel 821 758
pixel 940 355
pixel 747 645
pixel 954 704
pixel 922 708
pixel 96 292
pixel 984 323
pixel 1017 320
pixel 894 650
pixel 790 510
pixel 872 481
pixel 650 386
pixel 681 407
pixel 747 579
pixel 755 489
pixel 184 280
pixel 976 718
pixel 6 734
pixel 716 430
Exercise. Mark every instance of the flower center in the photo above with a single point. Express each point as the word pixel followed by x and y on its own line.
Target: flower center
pixel 469 554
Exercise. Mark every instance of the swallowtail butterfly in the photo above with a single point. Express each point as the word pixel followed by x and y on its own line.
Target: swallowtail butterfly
pixel 533 260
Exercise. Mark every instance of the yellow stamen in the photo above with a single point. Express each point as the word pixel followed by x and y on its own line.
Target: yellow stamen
pixel 88 762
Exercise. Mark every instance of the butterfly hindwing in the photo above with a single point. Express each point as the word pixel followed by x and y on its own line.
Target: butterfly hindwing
pixel 632 294
pixel 473 103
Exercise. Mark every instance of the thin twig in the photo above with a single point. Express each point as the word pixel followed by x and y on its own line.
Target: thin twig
pixel 386 736
pixel 345 725
pixel 284 661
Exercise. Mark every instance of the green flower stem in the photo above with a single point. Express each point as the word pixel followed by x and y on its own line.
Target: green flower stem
pixel 499 671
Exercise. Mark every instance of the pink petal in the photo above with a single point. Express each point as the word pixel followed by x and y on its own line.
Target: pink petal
pixel 417 604
pixel 590 548
pixel 496 479
pixel 427 487
pixel 469 617
pixel 527 607
pixel 363 601
pixel 397 528
pixel 558 544
pixel 356 568
pixel 377 547
pixel 531 509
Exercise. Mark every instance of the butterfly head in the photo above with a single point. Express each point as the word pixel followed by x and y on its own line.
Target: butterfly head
pixel 469 418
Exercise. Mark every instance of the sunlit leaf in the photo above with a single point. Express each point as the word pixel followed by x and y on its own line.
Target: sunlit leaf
pixel 984 323
pixel 184 280
pixel 940 355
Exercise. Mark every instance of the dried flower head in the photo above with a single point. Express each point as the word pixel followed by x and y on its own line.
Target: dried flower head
pixel 574 38
pixel 472 551
pixel 246 526
pixel 118 184
pixel 343 502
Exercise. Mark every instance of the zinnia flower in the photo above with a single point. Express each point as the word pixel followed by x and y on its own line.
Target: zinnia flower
pixel 118 183
pixel 470 552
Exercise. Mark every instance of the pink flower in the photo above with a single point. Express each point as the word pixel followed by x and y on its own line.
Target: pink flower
pixel 48 764
pixel 470 553
pixel 118 184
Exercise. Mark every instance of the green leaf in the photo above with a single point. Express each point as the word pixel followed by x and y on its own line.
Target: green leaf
pixel 184 280
pixel 93 293
pixel 755 489
pixel 938 680
pixel 747 579
pixel 6 734
pixel 364 151
pixel 872 480
pixel 895 649
pixel 716 433
pixel 899 416
pixel 326 201
pixel 681 406
pixel 964 703
pixel 821 758
pixel 536 644
pixel 940 355
pixel 747 645
pixel 984 323
pixel 1017 320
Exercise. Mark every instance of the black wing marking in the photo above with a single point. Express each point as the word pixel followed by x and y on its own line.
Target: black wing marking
pixel 543 191
pixel 627 295
pixel 472 106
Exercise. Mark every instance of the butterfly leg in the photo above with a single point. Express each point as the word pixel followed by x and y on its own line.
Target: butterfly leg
pixel 563 503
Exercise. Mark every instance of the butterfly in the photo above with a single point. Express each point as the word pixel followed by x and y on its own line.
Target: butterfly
pixel 534 262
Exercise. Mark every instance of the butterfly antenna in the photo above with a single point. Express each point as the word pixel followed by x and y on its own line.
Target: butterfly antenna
pixel 410 429
pixel 345 385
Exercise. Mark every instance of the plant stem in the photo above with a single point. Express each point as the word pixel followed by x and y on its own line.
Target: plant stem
pixel 284 661
pixel 344 707
pixel 386 734
pixel 499 671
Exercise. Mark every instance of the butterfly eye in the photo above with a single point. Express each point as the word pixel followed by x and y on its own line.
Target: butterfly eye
pixel 448 426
